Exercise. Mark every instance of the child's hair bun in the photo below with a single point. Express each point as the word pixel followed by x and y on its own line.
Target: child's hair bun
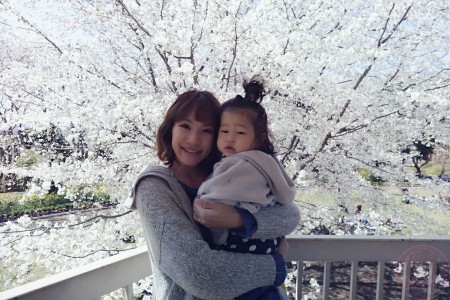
pixel 254 89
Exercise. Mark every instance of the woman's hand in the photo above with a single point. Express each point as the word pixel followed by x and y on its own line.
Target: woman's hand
pixel 216 215
pixel 283 248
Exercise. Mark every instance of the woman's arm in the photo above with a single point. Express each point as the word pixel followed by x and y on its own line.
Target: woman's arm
pixel 178 250
pixel 271 222
pixel 277 220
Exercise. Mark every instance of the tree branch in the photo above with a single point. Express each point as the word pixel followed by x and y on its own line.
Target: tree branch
pixel 408 86
pixel 342 131
pixel 367 164
pixel 100 216
pixel 385 26
pixel 36 30
pixel 393 76
pixel 396 25
pixel 120 2
pixel 285 47
pixel 346 130
pixel 23 236
pixel 437 74
pixel 343 110
pixel 234 54
pixel 314 156
pixel 96 251
pixel 45 228
pixel 165 59
pixel 364 74
pixel 294 143
pixel 437 88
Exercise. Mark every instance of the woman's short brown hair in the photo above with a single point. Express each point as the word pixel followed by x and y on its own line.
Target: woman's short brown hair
pixel 206 108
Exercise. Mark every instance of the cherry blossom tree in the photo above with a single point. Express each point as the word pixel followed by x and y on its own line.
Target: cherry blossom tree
pixel 351 85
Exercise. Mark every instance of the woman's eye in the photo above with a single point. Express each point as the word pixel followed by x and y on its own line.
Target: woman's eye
pixel 185 126
pixel 209 130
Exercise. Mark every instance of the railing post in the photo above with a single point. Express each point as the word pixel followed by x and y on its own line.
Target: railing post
pixel 380 280
pixel 353 280
pixel 406 276
pixel 128 291
pixel 431 279
pixel 299 282
pixel 326 280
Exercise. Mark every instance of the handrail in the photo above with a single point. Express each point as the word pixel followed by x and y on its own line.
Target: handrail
pixel 379 249
pixel 102 277
pixel 118 271
pixel 360 248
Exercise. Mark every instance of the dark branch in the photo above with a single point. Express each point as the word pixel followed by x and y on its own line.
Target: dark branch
pixel 133 18
pixel 385 26
pixel 438 87
pixel 396 25
pixel 366 71
pixel 96 251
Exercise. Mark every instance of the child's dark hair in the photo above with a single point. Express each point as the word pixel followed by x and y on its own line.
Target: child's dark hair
pixel 254 93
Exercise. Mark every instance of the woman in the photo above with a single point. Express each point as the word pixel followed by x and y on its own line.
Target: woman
pixel 184 266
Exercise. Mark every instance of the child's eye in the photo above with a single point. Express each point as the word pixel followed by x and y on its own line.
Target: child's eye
pixel 224 131
pixel 241 132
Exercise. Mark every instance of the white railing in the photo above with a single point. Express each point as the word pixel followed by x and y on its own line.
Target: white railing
pixel 120 271
pixel 90 281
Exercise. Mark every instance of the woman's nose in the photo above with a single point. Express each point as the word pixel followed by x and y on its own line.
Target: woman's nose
pixel 193 137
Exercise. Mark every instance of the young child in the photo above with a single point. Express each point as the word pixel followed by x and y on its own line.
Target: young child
pixel 248 171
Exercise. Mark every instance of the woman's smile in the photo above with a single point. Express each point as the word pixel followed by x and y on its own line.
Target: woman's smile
pixel 192 140
pixel 193 151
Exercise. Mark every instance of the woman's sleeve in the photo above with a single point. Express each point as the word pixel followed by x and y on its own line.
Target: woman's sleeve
pixel 177 248
pixel 275 221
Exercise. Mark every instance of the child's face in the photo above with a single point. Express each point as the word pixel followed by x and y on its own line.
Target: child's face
pixel 236 132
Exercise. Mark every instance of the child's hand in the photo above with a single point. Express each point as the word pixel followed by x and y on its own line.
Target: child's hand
pixel 283 248
pixel 216 215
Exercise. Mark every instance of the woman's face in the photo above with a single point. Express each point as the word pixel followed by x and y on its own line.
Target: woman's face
pixel 191 140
